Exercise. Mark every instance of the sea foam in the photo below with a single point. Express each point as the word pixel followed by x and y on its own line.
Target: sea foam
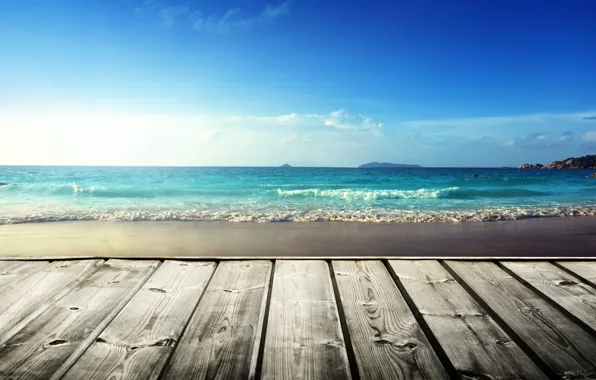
pixel 365 194
pixel 320 215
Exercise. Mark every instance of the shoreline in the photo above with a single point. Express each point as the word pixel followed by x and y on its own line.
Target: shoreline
pixel 563 237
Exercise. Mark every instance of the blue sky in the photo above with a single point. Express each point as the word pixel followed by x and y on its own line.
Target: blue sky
pixel 308 82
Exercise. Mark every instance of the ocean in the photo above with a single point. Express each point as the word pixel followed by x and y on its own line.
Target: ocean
pixel 242 194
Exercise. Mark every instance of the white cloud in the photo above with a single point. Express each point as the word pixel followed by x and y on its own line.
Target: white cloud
pixel 340 119
pixel 169 15
pixel 589 136
pixel 232 20
pixel 236 19
pixel 211 135
pixel 500 120
pixel 509 142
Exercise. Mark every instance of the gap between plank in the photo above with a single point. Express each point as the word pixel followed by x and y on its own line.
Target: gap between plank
pixel 504 326
pixel 84 345
pixel 344 325
pixel 259 364
pixel 445 362
pixel 549 300
pixel 567 270
pixel 194 310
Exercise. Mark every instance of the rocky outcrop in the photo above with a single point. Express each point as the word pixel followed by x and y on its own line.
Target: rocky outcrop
pixel 530 166
pixel 584 162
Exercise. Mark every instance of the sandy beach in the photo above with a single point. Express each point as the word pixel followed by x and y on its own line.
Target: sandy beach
pixel 547 237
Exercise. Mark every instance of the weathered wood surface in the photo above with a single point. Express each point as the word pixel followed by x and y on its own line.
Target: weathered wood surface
pixel 18 271
pixel 571 293
pixel 138 342
pixel 565 347
pixel 585 269
pixel 304 338
pixel 476 346
pixel 221 340
pixel 402 319
pixel 388 342
pixel 49 344
pixel 28 296
pixel 8 266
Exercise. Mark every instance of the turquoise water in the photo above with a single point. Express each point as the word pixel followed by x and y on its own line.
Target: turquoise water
pixel 38 194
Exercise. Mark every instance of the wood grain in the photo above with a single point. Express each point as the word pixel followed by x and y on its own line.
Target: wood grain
pixel 474 343
pixel 565 347
pixel 7 266
pixel 584 269
pixel 49 345
pixel 388 342
pixel 13 273
pixel 139 341
pixel 568 291
pixel 221 340
pixel 304 338
pixel 24 299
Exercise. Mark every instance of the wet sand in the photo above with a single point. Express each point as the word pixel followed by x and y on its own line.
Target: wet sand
pixel 549 237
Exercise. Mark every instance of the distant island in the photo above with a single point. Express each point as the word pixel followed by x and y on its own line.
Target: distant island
pixel 583 162
pixel 285 166
pixel 387 165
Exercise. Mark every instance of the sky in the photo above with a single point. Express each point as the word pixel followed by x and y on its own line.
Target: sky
pixel 304 82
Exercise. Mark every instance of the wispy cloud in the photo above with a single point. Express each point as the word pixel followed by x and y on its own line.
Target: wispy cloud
pixel 540 140
pixel 339 120
pixel 236 19
pixel 589 136
pixel 500 120
pixel 228 21
pixel 169 15
pixel 589 141
pixel 211 135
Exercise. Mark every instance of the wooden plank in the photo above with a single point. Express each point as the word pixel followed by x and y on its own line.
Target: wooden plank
pixel 304 338
pixel 49 345
pixel 388 342
pixel 585 269
pixel 568 291
pixel 139 341
pixel 13 273
pixel 221 340
pixel 28 296
pixel 565 347
pixel 7 266
pixel 476 346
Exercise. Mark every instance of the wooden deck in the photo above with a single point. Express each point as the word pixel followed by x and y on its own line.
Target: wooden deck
pixel 297 319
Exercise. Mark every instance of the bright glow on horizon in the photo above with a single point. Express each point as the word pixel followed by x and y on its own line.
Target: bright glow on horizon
pixel 338 138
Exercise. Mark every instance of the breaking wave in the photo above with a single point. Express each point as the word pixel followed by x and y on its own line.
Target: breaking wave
pixel 371 215
pixel 449 192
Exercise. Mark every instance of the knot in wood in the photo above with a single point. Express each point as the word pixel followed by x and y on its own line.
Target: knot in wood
pixel 335 343
pixel 566 282
pixel 158 290
pixel 57 342
pixel 233 291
